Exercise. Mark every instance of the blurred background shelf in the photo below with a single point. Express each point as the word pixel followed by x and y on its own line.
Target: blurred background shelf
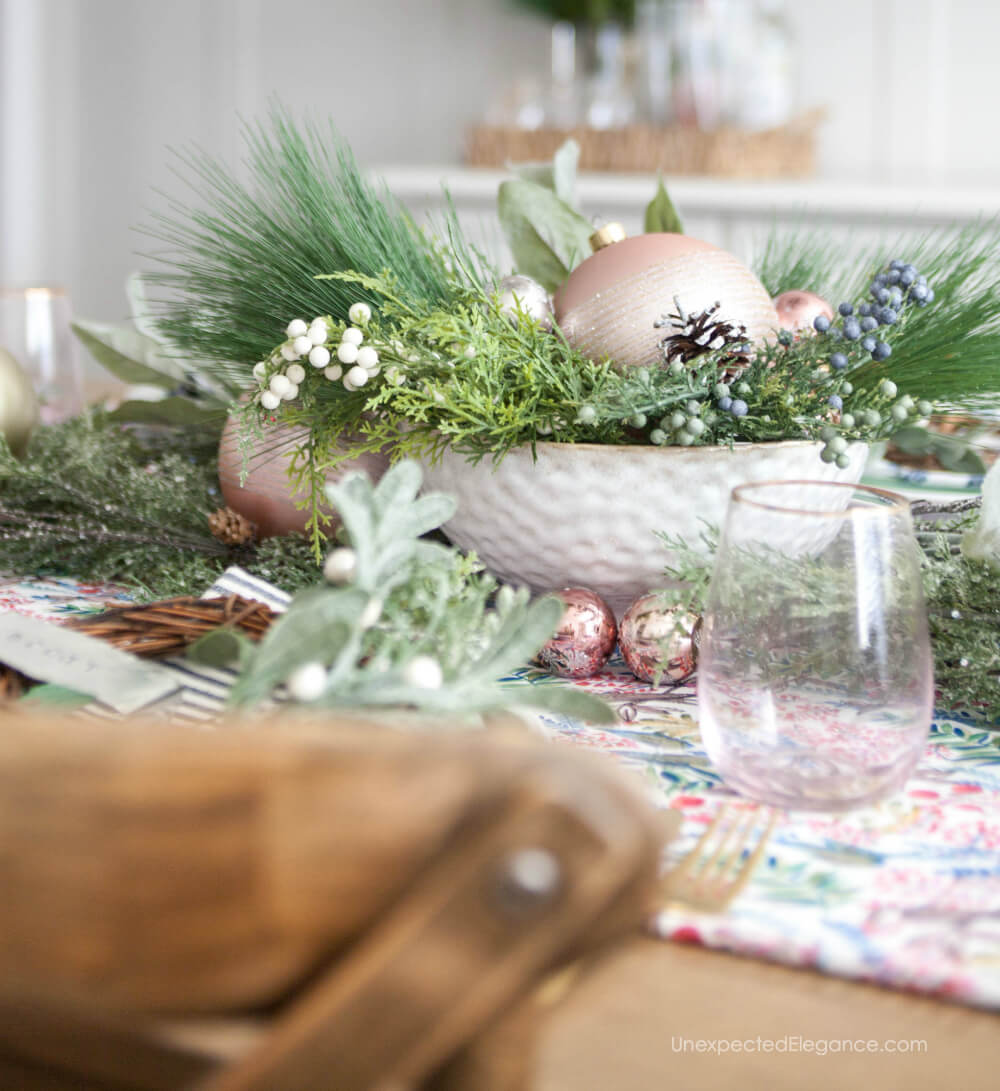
pixel 732 213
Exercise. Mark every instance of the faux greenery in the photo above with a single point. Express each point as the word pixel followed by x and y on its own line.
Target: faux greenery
pixel 93 499
pixel 469 377
pixel 547 234
pixel 948 352
pixel 411 624
pixel 137 354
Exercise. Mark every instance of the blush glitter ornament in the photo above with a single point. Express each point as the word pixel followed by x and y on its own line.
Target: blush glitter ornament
pixel 659 641
pixel 609 304
pixel 266 497
pixel 797 310
pixel 585 638
pixel 519 292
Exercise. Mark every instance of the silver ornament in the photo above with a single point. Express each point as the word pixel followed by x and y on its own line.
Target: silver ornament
pixel 659 641
pixel 522 293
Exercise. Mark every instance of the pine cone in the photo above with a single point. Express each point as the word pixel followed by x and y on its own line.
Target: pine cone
pixel 231 528
pixel 696 334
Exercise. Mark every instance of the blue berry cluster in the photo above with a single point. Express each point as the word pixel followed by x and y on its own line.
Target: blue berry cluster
pixel 899 285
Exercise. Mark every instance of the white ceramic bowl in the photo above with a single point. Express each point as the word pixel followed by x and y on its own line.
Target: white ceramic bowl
pixel 586 515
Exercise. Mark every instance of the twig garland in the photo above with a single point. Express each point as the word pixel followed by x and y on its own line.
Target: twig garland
pixel 168 627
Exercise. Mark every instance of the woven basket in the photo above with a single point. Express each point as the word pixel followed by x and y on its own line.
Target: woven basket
pixel 788 151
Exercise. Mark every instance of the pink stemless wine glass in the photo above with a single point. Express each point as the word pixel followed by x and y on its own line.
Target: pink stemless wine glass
pixel 815 681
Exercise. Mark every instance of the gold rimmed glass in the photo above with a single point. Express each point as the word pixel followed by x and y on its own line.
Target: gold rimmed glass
pixel 815 682
pixel 35 329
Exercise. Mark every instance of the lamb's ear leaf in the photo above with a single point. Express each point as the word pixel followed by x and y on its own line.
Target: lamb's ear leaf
pixel 559 175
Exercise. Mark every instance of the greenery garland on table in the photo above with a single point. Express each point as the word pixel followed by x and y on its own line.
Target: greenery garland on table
pixel 95 500
pixel 408 622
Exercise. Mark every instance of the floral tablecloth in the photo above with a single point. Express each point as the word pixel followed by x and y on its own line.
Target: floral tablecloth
pixel 906 893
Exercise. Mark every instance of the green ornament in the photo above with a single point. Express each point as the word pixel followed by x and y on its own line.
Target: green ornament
pixel 18 404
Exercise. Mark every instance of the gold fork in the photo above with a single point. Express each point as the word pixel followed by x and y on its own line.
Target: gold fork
pixel 710 876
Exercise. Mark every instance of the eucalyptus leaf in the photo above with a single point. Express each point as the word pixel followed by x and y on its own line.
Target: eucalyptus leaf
pixel 547 238
pixel 558 176
pixel 51 693
pixel 129 355
pixel 140 308
pixel 177 411
pixel 661 214
pixel 954 453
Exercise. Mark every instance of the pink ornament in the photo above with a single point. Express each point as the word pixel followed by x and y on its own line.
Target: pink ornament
pixel 585 638
pixel 609 303
pixel 659 641
pixel 266 496
pixel 797 310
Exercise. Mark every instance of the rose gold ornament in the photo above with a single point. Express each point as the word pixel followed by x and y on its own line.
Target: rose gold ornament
pixel 266 497
pixel 585 638
pixel 609 303
pixel 659 641
pixel 797 310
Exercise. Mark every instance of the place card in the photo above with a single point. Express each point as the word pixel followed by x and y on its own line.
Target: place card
pixel 50 653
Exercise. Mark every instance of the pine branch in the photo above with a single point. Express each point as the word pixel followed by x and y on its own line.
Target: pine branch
pixel 241 259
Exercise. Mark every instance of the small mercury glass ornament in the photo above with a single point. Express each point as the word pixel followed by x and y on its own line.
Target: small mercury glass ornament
pixel 522 293
pixel 659 641
pixel 585 638
pixel 798 310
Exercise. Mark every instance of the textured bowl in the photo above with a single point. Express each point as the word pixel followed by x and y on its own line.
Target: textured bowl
pixel 586 515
